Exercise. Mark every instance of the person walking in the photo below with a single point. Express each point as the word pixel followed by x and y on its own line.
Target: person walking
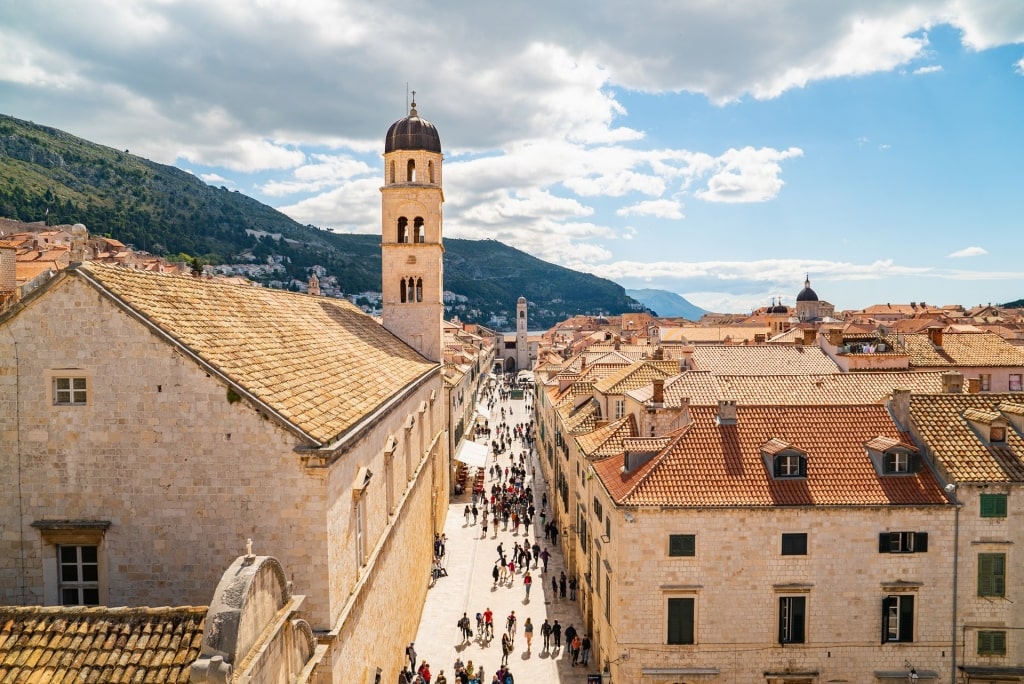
pixel 528 631
pixel 410 653
pixel 556 634
pixel 510 624
pixel 468 512
pixel 584 649
pixel 572 588
pixel 545 631
pixel 544 555
pixel 554 587
pixel 464 626
pixel 527 583
pixel 561 586
pixel 506 648
pixel 570 636
pixel 574 648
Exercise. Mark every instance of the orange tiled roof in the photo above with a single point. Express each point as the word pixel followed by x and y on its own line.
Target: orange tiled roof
pixel 636 375
pixel 702 334
pixel 607 440
pixel 960 350
pixel 762 360
pixel 583 419
pixel 109 645
pixel 321 363
pixel 712 465
pixel 703 388
pixel 940 421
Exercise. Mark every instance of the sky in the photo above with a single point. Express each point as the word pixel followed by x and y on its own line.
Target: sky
pixel 719 150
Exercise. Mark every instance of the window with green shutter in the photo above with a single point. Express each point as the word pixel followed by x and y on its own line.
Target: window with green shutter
pixel 991 643
pixel 991 574
pixel 682 545
pixel 993 505
pixel 680 621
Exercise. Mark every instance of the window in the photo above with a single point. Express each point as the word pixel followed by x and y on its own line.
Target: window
pixel 680 621
pixel 997 433
pixel 682 545
pixel 991 574
pixel 993 505
pixel 79 575
pixel 1016 382
pixel 902 542
pixel 986 382
pixel 620 408
pixel 69 391
pixel 403 225
pixel 598 509
pixel 360 531
pixel 794 544
pixel 792 616
pixel 991 643
pixel 898 618
pixel 608 528
pixel 790 465
pixel 900 462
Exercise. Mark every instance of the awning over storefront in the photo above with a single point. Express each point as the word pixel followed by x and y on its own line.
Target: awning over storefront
pixel 472 453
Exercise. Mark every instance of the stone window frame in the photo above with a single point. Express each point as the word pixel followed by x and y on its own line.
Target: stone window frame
pixel 53 375
pixel 993 505
pixel 902 542
pixel 682 545
pixel 898 608
pixel 56 533
pixel 794 544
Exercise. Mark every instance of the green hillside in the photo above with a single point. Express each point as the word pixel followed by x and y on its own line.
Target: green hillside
pixel 53 176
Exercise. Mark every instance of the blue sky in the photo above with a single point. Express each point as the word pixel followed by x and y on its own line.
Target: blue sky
pixel 716 150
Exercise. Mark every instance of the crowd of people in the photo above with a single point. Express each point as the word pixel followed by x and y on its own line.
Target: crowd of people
pixel 510 503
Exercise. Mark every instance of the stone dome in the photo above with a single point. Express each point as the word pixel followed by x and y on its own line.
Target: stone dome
pixel 807 294
pixel 412 133
pixel 779 308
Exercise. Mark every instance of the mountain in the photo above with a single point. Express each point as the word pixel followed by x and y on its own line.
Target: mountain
pixel 667 304
pixel 53 176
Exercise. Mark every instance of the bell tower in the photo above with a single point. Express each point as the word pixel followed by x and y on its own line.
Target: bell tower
pixel 412 268
pixel 522 339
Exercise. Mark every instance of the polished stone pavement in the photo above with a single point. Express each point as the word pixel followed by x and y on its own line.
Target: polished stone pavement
pixel 469 588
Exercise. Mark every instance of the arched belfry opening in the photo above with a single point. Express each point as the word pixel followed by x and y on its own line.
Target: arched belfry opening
pixel 412 306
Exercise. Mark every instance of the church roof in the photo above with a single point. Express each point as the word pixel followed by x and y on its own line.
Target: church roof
pixel 807 294
pixel 319 363
pixel 412 133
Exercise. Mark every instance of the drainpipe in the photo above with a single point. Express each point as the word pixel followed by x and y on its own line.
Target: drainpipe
pixel 951 490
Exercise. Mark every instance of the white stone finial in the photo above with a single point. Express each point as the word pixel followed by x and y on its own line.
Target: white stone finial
pixel 248 547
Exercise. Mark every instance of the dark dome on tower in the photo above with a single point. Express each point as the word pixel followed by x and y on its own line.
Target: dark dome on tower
pixel 807 294
pixel 412 133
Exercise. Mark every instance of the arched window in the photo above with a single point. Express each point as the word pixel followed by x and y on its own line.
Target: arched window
pixel 522 314
pixel 392 170
pixel 402 225
pixel 410 171
pixel 430 171
pixel 417 229
pixel 402 293
pixel 419 289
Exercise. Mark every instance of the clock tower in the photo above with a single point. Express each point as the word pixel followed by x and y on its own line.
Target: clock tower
pixel 412 268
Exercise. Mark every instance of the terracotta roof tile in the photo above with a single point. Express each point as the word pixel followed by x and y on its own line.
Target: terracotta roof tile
pixel 762 360
pixel 636 375
pixel 711 465
pixel 319 362
pixel 607 440
pixel 940 421
pixel 959 350
pixel 704 388
pixel 96 644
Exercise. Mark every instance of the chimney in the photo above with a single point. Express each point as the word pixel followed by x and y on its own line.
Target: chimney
pixel 973 385
pixel 78 237
pixel 659 392
pixel 726 412
pixel 952 382
pixel 8 268
pixel 809 336
pixel 901 407
pixel 686 361
pixel 759 338
pixel 314 285
pixel 659 354
pixel 617 343
pixel 935 335
pixel 835 337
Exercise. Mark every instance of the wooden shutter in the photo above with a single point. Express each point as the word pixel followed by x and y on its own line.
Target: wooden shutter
pixel 799 605
pixel 886 603
pixel 906 618
pixel 991 574
pixel 680 621
pixel 920 542
pixel 884 542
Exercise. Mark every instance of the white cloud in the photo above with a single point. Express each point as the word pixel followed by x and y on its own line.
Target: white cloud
pixel 216 179
pixel 328 171
pixel 930 69
pixel 662 208
pixel 246 155
pixel 967 252
pixel 1019 67
pixel 747 175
